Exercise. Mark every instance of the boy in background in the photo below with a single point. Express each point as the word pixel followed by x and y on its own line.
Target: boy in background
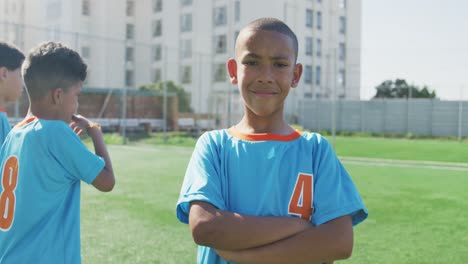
pixel 43 162
pixel 11 83
pixel 260 191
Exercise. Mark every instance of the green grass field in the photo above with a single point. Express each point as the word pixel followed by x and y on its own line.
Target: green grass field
pixel 417 215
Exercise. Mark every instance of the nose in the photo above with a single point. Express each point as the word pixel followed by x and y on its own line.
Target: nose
pixel 265 74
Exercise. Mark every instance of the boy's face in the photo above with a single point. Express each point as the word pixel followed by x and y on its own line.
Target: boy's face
pixel 265 70
pixel 12 84
pixel 69 102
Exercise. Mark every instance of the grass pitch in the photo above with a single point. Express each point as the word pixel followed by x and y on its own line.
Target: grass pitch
pixel 417 215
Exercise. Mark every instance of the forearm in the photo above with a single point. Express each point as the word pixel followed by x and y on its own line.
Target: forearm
pixel 329 241
pixel 99 146
pixel 231 231
pixel 105 181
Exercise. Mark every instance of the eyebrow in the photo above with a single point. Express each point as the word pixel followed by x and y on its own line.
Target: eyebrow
pixel 255 56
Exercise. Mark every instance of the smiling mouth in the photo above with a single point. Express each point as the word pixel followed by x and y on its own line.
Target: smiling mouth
pixel 264 93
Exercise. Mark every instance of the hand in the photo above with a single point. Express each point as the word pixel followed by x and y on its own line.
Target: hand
pixel 81 121
pixel 78 131
pixel 79 124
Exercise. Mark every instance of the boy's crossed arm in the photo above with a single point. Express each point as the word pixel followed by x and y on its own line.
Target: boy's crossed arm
pixel 254 239
pixel 231 231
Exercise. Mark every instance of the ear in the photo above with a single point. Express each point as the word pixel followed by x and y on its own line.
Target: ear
pixel 232 70
pixel 57 96
pixel 3 73
pixel 297 73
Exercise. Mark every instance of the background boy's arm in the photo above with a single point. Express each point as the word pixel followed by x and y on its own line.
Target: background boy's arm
pixel 332 240
pixel 105 180
pixel 231 231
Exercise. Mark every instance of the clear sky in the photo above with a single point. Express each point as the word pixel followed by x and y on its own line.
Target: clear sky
pixel 422 41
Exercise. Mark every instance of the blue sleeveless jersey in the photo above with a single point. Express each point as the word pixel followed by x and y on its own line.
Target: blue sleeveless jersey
pixel 43 163
pixel 296 175
pixel 4 126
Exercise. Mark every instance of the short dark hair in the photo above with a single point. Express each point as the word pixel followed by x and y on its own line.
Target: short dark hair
pixel 10 56
pixel 52 65
pixel 276 25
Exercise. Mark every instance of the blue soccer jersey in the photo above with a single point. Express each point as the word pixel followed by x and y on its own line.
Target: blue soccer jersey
pixel 295 175
pixel 4 126
pixel 43 163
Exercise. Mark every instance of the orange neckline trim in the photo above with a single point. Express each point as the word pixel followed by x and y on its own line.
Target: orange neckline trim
pixel 26 121
pixel 264 136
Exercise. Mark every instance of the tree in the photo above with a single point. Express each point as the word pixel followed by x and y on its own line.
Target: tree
pixel 182 96
pixel 400 89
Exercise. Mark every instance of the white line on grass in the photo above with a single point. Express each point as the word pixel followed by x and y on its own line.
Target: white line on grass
pixel 406 163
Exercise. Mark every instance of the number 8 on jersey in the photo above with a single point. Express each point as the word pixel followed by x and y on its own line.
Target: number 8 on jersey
pixel 7 197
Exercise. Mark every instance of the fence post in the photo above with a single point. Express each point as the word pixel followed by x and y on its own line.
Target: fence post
pixel 460 116
pixel 363 110
pixel 408 116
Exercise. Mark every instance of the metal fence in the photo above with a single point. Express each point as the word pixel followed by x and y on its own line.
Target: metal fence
pixel 388 116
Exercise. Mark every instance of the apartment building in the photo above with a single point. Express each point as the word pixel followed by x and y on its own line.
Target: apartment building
pixel 129 43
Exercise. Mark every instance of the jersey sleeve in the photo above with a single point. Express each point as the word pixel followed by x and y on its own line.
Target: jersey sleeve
pixel 75 158
pixel 4 127
pixel 335 194
pixel 202 179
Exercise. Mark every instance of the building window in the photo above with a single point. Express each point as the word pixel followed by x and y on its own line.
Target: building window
pixel 342 78
pixel 220 16
pixel 156 75
pixel 86 9
pixel 186 2
pixel 157 28
pixel 220 44
pixel 308 46
pixel 186 23
pixel 157 6
pixel 342 51
pixel 129 77
pixel 308 74
pixel 309 18
pixel 237 11
pixel 130 8
pixel 319 20
pixel 319 48
pixel 318 75
pixel 220 72
pixel 186 76
pixel 342 4
pixel 130 32
pixel 342 25
pixel 129 56
pixel 85 52
pixel 186 48
pixel 157 54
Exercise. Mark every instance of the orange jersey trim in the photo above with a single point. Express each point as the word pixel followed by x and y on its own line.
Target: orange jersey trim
pixel 264 136
pixel 26 121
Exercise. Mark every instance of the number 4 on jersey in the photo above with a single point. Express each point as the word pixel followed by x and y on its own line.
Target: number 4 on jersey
pixel 302 196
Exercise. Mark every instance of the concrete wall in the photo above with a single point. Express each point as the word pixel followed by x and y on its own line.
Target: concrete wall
pixel 397 116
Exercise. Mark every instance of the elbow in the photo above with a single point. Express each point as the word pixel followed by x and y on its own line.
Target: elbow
pixel 345 250
pixel 104 182
pixel 202 232
pixel 108 181
pixel 109 187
